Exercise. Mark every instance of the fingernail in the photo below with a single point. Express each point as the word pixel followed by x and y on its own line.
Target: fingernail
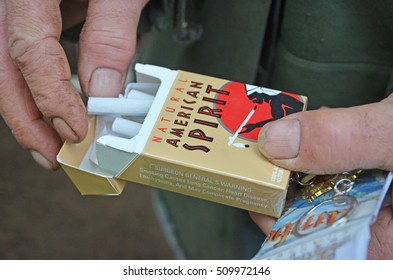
pixel 64 130
pixel 105 83
pixel 280 139
pixel 41 160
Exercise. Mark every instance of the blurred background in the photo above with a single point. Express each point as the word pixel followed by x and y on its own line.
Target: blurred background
pixel 43 216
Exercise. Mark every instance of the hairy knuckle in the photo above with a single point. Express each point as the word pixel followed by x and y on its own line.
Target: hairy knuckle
pixel 109 31
pixel 62 101
pixel 22 134
pixel 107 40
pixel 23 51
pixel 49 107
pixel 18 47
pixel 43 104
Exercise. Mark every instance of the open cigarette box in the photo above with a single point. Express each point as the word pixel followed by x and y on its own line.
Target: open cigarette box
pixel 187 133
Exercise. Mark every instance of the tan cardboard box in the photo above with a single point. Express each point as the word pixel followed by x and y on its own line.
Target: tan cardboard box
pixel 198 139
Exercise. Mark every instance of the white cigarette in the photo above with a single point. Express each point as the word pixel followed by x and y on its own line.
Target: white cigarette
pixel 232 139
pixel 126 128
pixel 139 95
pixel 150 88
pixel 118 106
pixel 240 145
pixel 140 119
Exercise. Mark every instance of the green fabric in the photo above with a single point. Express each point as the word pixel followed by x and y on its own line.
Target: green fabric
pixel 230 45
pixel 340 31
pixel 331 84
pixel 338 53
pixel 207 230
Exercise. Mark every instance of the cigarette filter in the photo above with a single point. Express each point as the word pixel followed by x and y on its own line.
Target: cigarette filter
pixel 126 128
pixel 139 95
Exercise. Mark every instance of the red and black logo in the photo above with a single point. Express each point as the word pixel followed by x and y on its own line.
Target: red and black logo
pixel 248 108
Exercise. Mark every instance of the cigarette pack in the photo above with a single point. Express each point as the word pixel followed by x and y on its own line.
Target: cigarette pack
pixel 197 137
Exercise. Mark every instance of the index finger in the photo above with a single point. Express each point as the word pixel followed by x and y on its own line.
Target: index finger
pixel 34 29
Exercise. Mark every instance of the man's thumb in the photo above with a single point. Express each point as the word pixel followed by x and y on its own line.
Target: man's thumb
pixel 107 44
pixel 332 140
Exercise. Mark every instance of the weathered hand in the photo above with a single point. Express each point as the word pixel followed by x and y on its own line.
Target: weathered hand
pixel 330 141
pixel 37 99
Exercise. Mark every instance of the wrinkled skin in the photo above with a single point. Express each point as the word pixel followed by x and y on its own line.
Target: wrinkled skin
pixel 42 108
pixel 37 100
pixel 347 139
